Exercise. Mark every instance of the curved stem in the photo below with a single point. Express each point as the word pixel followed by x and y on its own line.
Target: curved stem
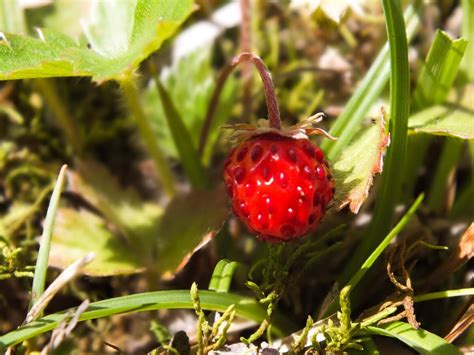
pixel 132 98
pixel 270 96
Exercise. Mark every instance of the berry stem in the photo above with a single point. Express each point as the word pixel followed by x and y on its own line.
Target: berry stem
pixel 269 89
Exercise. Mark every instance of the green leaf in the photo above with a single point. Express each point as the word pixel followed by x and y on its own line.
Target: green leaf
pixel 391 182
pixel 189 222
pixel 177 299
pixel 222 275
pixel 367 93
pixel 468 32
pixel 444 120
pixel 136 219
pixel 439 70
pixel 372 258
pixel 77 233
pixel 420 340
pixel 433 85
pixel 121 35
pixel 187 152
pixel 444 294
pixel 193 96
pixel 355 170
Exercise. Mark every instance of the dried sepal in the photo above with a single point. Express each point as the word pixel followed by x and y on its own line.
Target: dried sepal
pixel 245 131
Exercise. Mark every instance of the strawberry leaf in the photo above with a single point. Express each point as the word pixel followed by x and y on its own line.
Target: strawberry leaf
pixel 189 222
pixel 120 35
pixel 134 218
pixel 77 232
pixel 354 171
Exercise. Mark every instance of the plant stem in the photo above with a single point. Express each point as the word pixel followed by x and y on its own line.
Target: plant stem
pixel 131 95
pixel 347 124
pixel 60 113
pixel 390 186
pixel 270 96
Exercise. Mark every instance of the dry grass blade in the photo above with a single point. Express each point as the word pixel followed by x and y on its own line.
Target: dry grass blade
pixel 65 328
pixel 461 325
pixel 67 275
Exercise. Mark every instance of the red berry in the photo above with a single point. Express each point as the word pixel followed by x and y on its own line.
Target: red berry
pixel 279 186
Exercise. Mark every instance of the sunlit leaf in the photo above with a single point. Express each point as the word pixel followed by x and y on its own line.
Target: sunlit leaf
pixel 120 35
pixel 355 170
pixel 136 219
pixel 444 120
pixel 77 233
pixel 420 340
pixel 439 70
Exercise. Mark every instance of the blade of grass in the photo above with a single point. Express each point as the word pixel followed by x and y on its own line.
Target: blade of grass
pixel 390 186
pixel 433 85
pixel 439 71
pixel 222 276
pixel 182 139
pixel 57 285
pixel 131 95
pixel 468 32
pixel 39 279
pixel 368 91
pixel 376 253
pixel 444 294
pixel 420 340
pixel 175 299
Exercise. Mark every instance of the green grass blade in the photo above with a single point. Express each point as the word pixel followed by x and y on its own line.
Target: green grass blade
pixel 444 294
pixel 368 92
pixel 384 244
pixel 377 252
pixel 222 275
pixel 433 86
pixel 39 279
pixel 176 299
pixel 390 187
pixel 420 340
pixel 468 32
pixel 439 71
pixel 182 139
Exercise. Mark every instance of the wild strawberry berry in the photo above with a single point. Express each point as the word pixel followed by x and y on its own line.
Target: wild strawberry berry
pixel 279 186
